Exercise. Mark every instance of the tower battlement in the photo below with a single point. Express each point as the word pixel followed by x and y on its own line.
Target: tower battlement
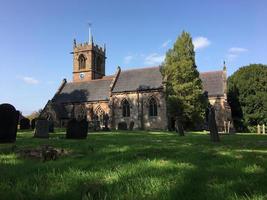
pixel 89 47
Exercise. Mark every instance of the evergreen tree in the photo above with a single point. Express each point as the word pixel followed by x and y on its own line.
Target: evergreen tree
pixel 185 100
pixel 247 96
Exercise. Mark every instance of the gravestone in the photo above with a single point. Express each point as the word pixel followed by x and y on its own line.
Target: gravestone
pixel 24 123
pixel 263 129
pixel 33 123
pixel 179 126
pixel 228 127
pixel 77 129
pixel 259 129
pixel 225 126
pixel 106 121
pixel 131 125
pixel 41 128
pixel 122 126
pixel 8 123
pixel 96 123
pixel 212 125
pixel 51 126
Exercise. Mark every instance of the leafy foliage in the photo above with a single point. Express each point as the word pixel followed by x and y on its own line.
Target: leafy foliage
pixel 247 96
pixel 185 97
pixel 34 114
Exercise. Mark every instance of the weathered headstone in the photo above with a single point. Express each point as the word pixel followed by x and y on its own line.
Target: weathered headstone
pixel 225 126
pixel 179 126
pixel 51 126
pixel 259 129
pixel 41 128
pixel 228 127
pixel 263 129
pixel 106 121
pixel 8 123
pixel 122 126
pixel 96 123
pixel 77 129
pixel 33 123
pixel 212 125
pixel 24 123
pixel 131 125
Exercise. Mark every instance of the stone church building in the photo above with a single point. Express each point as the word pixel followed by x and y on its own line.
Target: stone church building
pixel 133 96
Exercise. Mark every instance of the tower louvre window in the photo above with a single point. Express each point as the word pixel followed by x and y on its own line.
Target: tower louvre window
pixel 82 62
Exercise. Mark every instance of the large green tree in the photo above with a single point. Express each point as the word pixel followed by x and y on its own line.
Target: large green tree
pixel 247 96
pixel 185 99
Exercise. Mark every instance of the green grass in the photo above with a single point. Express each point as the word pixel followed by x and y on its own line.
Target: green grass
pixel 138 165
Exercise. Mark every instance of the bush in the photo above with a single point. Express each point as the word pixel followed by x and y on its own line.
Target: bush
pixel 247 96
pixel 24 124
pixel 33 123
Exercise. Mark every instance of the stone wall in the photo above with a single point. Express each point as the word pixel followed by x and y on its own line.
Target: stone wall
pixel 139 110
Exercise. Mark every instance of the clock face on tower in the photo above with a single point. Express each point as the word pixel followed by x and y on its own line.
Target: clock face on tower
pixel 81 76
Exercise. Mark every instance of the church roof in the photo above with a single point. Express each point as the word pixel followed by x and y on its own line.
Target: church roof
pixel 94 90
pixel 138 79
pixel 130 80
pixel 213 82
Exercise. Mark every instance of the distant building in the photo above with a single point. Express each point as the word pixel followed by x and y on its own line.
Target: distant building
pixel 135 95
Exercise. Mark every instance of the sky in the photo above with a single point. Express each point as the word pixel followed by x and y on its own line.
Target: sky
pixel 36 38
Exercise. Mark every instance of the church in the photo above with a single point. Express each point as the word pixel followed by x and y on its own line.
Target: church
pixel 134 97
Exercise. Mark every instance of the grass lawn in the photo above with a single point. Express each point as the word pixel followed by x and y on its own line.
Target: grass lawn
pixel 138 165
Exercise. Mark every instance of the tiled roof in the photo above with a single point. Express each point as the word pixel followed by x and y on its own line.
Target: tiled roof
pixel 94 90
pixel 130 80
pixel 138 79
pixel 213 82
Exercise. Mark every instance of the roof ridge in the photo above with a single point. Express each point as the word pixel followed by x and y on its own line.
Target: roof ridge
pixel 151 67
pixel 210 72
pixel 91 81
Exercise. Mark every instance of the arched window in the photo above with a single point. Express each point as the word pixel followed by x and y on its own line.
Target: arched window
pixel 82 62
pixel 125 108
pixel 153 108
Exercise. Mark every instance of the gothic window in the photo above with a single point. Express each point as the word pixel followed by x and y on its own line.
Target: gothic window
pixel 153 108
pixel 82 62
pixel 125 108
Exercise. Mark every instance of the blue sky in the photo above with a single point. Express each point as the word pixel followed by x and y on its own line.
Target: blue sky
pixel 36 38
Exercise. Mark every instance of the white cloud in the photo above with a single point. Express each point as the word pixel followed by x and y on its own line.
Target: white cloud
pixel 234 52
pixel 237 50
pixel 30 80
pixel 200 42
pixel 154 59
pixel 166 43
pixel 231 57
pixel 128 59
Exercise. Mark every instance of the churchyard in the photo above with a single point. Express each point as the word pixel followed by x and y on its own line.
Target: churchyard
pixel 134 165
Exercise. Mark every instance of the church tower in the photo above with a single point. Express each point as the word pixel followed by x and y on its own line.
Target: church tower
pixel 88 61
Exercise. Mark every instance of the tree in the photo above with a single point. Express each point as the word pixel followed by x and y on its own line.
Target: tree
pixel 185 100
pixel 34 114
pixel 247 96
